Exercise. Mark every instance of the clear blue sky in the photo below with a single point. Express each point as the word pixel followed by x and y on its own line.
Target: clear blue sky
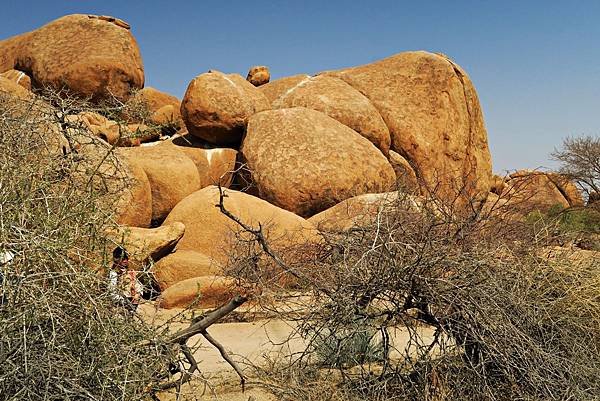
pixel 535 64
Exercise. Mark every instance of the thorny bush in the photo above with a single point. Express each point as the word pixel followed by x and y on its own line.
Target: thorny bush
pixel 61 336
pixel 467 308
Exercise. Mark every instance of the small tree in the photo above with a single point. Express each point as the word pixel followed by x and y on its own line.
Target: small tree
pixel 484 314
pixel 580 161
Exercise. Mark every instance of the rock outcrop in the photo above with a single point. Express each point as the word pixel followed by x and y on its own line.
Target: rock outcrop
pixel 528 190
pixel 340 101
pixel 210 232
pixel 95 57
pixel 432 111
pixel 216 107
pixel 305 161
pixel 258 75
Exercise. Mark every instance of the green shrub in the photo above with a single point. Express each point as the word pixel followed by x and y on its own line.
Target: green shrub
pixel 347 348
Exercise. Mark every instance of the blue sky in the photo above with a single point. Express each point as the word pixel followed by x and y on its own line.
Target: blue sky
pixel 535 64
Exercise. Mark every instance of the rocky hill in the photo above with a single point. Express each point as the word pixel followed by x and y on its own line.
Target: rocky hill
pixel 289 149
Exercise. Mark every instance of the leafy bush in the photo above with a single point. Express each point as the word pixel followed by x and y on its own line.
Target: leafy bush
pixel 578 226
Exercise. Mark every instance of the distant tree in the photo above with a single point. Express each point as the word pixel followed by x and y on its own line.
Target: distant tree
pixel 580 161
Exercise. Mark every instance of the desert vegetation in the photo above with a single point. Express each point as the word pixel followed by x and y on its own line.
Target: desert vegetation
pixel 579 158
pixel 63 336
pixel 487 316
pixel 504 321
pixel 337 204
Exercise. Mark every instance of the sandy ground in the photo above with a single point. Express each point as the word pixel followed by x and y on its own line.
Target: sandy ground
pixel 248 343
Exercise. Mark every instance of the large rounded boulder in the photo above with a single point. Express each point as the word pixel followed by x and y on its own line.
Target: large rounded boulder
pixel 435 120
pixel 91 56
pixel 340 101
pixel 172 176
pixel 305 161
pixel 216 107
pixel 212 233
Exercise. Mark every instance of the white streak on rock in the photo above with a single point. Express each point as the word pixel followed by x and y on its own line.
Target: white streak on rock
pixel 21 75
pixel 210 152
pixel 281 98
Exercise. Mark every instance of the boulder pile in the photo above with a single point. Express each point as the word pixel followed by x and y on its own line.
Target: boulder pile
pixel 432 111
pixel 295 155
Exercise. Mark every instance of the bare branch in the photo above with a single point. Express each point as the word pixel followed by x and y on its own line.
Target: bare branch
pixel 226 357
pixel 198 327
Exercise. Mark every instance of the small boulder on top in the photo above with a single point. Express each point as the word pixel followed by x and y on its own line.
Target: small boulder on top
pixel 258 75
